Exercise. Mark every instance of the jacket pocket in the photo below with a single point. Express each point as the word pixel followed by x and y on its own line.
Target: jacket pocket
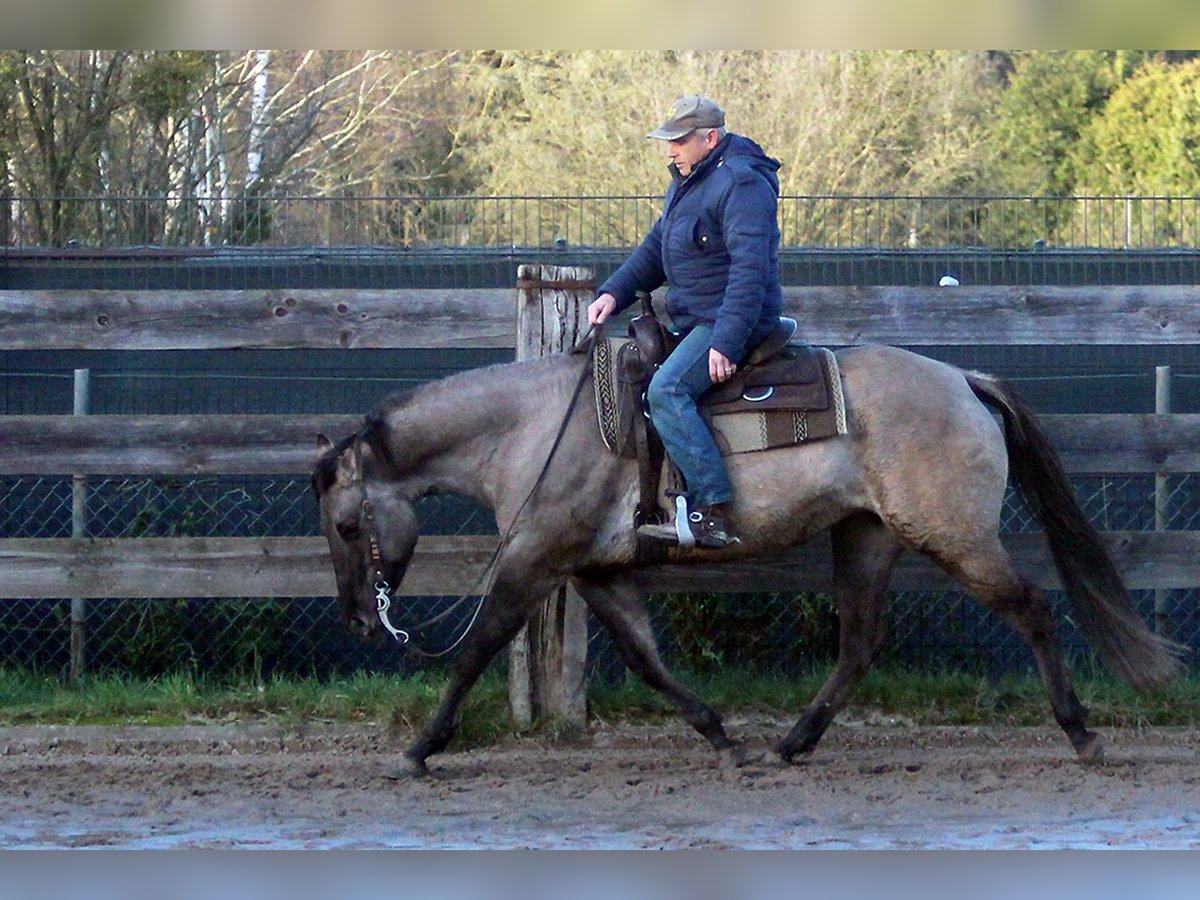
pixel 706 238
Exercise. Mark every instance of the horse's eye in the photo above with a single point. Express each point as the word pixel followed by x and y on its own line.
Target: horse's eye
pixel 349 531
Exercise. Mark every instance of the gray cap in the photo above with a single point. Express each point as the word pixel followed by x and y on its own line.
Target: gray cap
pixel 687 114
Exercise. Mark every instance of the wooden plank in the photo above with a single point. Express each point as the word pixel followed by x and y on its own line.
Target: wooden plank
pixel 278 444
pixel 445 565
pixel 166 445
pixel 980 314
pixel 1125 443
pixel 351 318
pixel 1162 559
pixel 255 319
pixel 216 567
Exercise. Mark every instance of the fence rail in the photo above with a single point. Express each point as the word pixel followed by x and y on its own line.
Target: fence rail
pixel 1130 443
pixel 447 565
pixel 359 319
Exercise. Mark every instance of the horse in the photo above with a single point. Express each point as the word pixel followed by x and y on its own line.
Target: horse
pixel 923 467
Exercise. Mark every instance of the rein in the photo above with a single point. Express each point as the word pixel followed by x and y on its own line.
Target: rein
pixel 383 591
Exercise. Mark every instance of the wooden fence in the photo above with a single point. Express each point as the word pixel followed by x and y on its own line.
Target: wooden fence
pixel 197 445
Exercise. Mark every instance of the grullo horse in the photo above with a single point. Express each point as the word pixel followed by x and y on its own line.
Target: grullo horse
pixel 923 467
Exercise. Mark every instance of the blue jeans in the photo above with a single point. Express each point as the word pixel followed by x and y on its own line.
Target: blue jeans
pixel 681 379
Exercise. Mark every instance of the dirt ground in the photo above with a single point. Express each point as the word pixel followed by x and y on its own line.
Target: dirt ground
pixel 871 784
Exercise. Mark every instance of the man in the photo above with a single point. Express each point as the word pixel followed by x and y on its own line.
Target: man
pixel 716 246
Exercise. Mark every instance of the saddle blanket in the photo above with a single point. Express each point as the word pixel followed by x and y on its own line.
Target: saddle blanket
pixel 792 398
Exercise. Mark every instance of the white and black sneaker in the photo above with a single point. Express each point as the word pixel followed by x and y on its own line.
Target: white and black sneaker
pixel 704 527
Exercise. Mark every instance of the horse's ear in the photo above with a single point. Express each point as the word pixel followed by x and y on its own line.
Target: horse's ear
pixel 349 469
pixel 324 444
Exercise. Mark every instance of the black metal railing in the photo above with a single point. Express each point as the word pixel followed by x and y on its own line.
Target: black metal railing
pixel 825 221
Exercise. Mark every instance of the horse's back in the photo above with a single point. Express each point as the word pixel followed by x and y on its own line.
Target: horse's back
pixel 890 388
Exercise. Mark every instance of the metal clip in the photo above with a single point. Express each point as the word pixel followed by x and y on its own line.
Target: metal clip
pixel 382 602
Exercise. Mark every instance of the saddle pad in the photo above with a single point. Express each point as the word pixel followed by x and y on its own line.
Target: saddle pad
pixel 807 410
pixel 742 431
pixel 614 428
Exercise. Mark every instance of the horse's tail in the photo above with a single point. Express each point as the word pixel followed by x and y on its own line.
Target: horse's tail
pixel 1098 595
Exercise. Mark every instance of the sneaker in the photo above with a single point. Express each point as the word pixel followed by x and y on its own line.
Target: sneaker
pixel 708 526
pixel 703 527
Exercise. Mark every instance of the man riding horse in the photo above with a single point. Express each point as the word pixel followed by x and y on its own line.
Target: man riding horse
pixel 716 246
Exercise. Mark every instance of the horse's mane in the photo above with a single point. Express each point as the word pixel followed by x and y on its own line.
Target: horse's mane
pixel 325 471
pixel 374 430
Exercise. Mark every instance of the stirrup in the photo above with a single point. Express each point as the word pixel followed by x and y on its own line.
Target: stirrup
pixel 677 532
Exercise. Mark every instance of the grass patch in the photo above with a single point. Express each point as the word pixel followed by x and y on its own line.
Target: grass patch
pixel 951 698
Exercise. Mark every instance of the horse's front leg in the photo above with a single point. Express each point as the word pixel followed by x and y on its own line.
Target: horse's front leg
pixel 505 610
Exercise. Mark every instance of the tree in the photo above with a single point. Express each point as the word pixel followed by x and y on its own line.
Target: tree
pixel 852 122
pixel 169 145
pixel 1050 101
pixel 1146 143
pixel 67 100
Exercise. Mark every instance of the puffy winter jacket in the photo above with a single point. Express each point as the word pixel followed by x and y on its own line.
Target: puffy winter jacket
pixel 716 246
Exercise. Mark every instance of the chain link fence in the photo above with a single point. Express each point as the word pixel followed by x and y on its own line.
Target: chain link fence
pixel 372 242
pixel 775 633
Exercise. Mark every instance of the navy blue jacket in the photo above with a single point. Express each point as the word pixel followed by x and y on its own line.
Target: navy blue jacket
pixel 716 246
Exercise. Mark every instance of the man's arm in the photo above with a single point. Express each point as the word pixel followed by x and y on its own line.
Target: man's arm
pixel 642 271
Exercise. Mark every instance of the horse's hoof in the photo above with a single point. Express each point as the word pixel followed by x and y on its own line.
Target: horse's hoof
pixel 408 770
pixel 1091 751
pixel 737 756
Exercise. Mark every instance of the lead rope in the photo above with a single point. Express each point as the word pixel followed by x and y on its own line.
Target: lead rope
pixel 383 590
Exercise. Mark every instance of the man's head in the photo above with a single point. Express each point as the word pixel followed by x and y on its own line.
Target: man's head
pixel 694 127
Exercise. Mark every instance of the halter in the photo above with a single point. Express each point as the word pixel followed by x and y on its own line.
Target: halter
pixel 383 591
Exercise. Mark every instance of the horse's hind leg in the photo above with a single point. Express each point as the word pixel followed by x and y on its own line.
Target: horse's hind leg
pixel 990 577
pixel 864 552
pixel 618 605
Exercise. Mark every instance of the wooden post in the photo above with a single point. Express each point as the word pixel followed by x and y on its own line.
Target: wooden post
pixel 78 530
pixel 1162 499
pixel 547 659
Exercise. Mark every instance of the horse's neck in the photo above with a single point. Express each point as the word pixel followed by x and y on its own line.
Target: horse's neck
pixel 463 434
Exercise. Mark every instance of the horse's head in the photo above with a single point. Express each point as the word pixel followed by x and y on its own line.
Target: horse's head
pixel 370 525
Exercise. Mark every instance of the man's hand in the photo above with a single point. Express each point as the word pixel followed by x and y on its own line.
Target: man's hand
pixel 601 308
pixel 720 366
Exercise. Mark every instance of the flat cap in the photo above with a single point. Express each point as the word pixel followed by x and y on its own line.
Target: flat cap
pixel 687 114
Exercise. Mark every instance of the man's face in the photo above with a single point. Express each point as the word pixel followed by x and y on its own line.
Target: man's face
pixel 690 150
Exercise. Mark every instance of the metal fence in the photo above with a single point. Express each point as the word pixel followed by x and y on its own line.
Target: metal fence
pixel 827 221
pixel 771 633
